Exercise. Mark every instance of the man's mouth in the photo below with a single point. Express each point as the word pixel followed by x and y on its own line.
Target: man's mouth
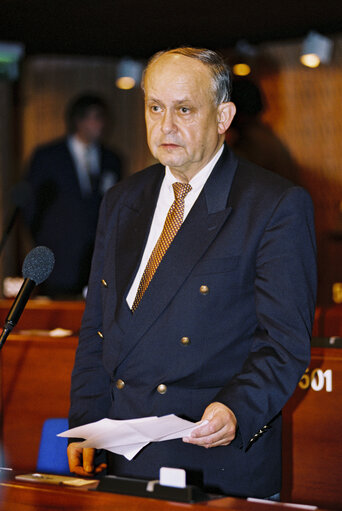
pixel 167 145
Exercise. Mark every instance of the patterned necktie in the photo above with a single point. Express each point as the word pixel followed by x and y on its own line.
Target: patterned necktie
pixel 172 223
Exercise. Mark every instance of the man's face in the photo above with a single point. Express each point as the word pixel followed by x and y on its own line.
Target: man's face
pixel 90 128
pixel 183 128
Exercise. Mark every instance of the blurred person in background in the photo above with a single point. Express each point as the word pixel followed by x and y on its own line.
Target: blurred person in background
pixel 68 178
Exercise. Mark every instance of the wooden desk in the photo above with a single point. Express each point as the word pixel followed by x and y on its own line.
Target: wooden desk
pixel 312 425
pixel 35 371
pixel 36 382
pixel 28 497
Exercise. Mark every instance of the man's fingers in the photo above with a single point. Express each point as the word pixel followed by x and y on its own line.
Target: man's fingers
pixel 81 461
pixel 221 437
pixel 209 427
pixel 88 459
pixel 80 472
pixel 100 467
pixel 74 456
pixel 219 427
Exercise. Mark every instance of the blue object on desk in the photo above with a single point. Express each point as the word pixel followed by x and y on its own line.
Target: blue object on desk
pixel 52 456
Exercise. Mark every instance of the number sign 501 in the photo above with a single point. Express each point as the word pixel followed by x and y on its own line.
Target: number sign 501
pixel 317 380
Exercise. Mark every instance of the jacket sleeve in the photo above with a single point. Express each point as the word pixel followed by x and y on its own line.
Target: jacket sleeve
pixel 285 293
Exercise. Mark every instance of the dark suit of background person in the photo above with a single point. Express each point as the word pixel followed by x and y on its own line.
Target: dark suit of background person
pixel 64 211
pixel 226 318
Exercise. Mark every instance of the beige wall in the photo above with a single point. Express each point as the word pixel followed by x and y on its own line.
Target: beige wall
pixel 305 111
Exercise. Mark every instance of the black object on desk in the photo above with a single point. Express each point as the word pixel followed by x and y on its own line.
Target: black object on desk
pixel 151 489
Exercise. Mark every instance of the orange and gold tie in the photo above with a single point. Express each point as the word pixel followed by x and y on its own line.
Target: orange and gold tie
pixel 172 223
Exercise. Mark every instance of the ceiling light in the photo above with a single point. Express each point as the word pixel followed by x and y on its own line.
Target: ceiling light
pixel 310 60
pixel 245 55
pixel 128 73
pixel 10 55
pixel 241 69
pixel 316 49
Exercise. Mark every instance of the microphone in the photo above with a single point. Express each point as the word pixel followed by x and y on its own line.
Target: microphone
pixel 37 267
pixel 21 195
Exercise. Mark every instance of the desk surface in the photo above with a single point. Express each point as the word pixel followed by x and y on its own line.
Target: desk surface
pixel 19 496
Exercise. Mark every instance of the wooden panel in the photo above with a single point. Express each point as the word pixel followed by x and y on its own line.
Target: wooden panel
pixel 36 383
pixel 317 326
pixel 333 321
pixel 46 314
pixel 35 374
pixel 312 448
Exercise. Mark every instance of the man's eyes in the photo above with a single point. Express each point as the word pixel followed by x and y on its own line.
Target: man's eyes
pixel 181 109
pixel 155 108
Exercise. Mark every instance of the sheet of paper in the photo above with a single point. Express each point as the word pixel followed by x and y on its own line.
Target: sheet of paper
pixel 128 437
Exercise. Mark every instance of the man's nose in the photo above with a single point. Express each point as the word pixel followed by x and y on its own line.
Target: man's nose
pixel 168 123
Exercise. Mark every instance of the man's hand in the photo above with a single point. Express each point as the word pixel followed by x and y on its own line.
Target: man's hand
pixel 219 428
pixel 81 461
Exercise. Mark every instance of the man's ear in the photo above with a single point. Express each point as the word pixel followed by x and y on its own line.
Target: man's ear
pixel 225 115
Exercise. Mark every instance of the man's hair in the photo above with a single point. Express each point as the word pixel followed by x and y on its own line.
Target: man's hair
pixel 80 107
pixel 222 79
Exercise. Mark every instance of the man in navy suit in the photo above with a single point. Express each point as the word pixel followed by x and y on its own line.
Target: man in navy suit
pixel 222 333
pixel 68 179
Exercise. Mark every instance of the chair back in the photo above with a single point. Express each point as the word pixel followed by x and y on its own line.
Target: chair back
pixel 52 456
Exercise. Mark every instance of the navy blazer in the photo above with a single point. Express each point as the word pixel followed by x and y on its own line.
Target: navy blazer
pixel 250 239
pixel 63 219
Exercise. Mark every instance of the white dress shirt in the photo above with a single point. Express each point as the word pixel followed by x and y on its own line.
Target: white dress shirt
pixel 87 161
pixel 165 199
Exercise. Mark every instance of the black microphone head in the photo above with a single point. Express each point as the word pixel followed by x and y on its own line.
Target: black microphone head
pixel 38 264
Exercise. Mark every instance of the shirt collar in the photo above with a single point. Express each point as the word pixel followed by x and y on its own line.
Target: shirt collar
pixel 79 146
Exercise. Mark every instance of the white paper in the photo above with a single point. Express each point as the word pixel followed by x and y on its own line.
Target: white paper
pixel 175 477
pixel 128 437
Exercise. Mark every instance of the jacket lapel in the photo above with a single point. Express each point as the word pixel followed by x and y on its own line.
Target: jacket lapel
pixel 198 231
pixel 135 219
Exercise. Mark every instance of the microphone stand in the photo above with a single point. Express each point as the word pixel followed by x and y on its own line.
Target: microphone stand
pixel 3 338
pixel 17 309
pixel 21 195
pixel 2 459
pixel 8 228
pixel 4 334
